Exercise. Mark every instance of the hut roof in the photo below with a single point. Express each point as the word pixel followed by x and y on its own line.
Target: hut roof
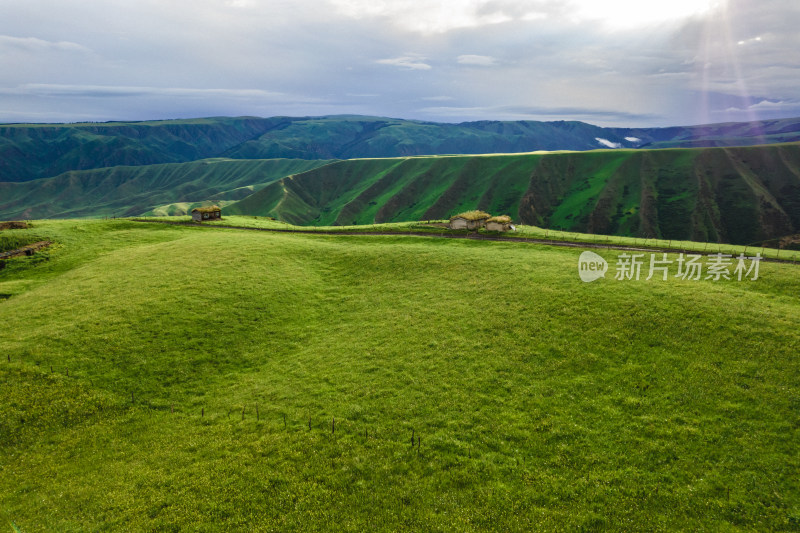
pixel 502 219
pixel 13 225
pixel 472 215
pixel 210 209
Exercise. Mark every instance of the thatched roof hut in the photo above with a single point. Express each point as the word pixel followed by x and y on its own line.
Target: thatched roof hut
pixel 501 223
pixel 469 220
pixel 206 213
pixel 13 224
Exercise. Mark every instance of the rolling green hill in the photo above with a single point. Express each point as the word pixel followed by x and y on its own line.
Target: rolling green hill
pixel 168 378
pixel 33 151
pixel 720 135
pixel 738 195
pixel 351 137
pixel 156 189
pixel 344 137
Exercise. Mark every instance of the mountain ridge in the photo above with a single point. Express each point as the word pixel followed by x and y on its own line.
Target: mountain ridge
pixel 33 151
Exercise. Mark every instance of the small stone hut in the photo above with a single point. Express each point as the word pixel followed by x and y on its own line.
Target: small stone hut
pixel 200 214
pixel 501 223
pixel 469 220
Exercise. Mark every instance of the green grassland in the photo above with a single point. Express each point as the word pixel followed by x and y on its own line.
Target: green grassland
pixel 741 195
pixel 159 378
pixel 255 222
pixel 520 232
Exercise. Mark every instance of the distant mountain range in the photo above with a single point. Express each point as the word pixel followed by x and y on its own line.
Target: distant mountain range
pixel 33 151
pixel 352 169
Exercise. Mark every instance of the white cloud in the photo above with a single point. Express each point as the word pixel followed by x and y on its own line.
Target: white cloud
pixel 117 91
pixel 633 139
pixel 448 113
pixel 762 105
pixel 607 143
pixel 441 16
pixel 428 16
pixel 753 40
pixel 406 62
pixel 636 14
pixel 493 112
pixel 32 44
pixel 481 61
pixel 768 105
pixel 533 15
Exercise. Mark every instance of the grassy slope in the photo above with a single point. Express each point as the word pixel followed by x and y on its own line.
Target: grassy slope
pixel 380 190
pixel 158 189
pixel 741 195
pixel 542 403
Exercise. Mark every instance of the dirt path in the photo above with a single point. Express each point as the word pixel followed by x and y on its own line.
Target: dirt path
pixel 473 236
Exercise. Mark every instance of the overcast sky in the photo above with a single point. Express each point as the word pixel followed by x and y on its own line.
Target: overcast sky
pixel 607 62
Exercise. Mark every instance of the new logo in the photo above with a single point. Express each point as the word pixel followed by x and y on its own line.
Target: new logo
pixel 591 267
